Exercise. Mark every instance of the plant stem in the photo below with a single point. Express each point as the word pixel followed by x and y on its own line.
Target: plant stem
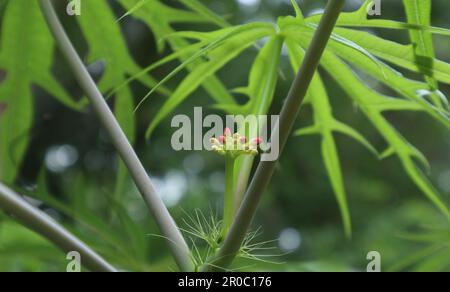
pixel 41 223
pixel 165 222
pixel 242 179
pixel 229 202
pixel 286 122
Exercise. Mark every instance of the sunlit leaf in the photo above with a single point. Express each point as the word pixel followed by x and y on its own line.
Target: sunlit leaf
pixel 367 100
pixel 201 9
pixel 26 56
pixel 324 125
pixel 219 54
pixel 359 19
pixel 161 26
pixel 395 53
pixel 419 13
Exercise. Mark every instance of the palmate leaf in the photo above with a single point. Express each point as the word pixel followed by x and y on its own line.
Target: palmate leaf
pixel 219 53
pixel 150 14
pixel 324 125
pixel 222 36
pixel 373 105
pixel 411 89
pixel 26 56
pixel 360 19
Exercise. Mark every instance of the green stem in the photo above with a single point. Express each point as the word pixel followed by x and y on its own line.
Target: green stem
pixel 41 223
pixel 288 115
pixel 242 179
pixel 164 220
pixel 229 202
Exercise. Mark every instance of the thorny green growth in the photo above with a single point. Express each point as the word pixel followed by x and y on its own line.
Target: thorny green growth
pixel 205 233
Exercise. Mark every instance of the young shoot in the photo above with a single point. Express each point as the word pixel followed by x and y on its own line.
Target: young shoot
pixel 232 146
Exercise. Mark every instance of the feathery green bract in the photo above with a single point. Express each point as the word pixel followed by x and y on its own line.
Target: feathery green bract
pixel 26 55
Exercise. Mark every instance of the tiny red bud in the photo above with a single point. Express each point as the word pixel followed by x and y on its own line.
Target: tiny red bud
pixel 222 139
pixel 243 140
pixel 257 141
pixel 227 132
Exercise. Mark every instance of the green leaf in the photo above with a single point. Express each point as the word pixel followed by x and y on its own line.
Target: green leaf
pixel 161 26
pixel 296 30
pixel 408 88
pixel 355 47
pixel 179 54
pixel 298 11
pixel 224 36
pixel 26 55
pixel 395 53
pixel 201 9
pixel 159 17
pixel 324 126
pixel 133 9
pixel 219 54
pixel 368 100
pixel 419 13
pixel 262 81
pixel 360 19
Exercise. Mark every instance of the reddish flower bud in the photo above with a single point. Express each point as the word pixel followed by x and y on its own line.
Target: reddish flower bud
pixel 227 132
pixel 222 139
pixel 243 140
pixel 257 141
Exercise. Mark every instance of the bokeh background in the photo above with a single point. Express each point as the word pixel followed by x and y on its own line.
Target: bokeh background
pixel 71 163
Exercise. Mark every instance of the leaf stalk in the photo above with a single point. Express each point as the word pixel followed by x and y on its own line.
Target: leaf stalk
pixel 41 223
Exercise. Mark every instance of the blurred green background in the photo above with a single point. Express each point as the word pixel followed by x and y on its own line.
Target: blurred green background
pixel 70 165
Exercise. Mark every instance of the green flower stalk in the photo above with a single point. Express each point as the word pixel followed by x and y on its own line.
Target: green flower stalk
pixel 232 146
